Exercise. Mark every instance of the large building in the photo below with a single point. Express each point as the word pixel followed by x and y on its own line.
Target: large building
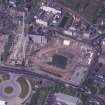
pixel 48 15
pixel 38 39
pixel 62 99
pixel 2 102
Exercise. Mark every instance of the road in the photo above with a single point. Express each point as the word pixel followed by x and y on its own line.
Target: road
pixel 33 74
pixel 62 34
pixel 30 74
pixel 95 97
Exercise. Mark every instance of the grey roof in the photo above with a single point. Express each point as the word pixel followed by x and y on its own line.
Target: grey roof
pixel 69 100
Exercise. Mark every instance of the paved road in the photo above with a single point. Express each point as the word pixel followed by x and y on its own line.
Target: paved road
pixel 62 34
pixel 99 37
pixel 30 74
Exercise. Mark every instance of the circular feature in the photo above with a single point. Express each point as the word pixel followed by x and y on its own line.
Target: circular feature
pixel 14 87
pixel 8 90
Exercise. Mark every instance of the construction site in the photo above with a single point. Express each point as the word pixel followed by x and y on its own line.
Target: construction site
pixel 47 51
pixel 63 58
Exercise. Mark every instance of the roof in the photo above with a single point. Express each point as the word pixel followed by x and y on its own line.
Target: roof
pixel 2 102
pixel 69 100
pixel 39 21
pixel 38 39
pixel 50 9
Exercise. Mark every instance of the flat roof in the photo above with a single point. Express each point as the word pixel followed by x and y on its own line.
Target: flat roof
pixel 67 99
